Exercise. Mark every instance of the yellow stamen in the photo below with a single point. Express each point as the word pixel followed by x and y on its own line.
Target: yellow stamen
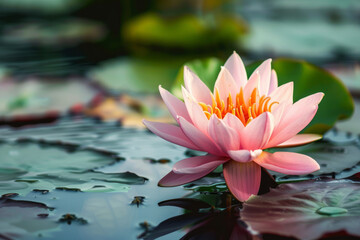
pixel 245 110
pixel 208 115
pixel 253 107
pixel 249 112
pixel 272 105
pixel 204 106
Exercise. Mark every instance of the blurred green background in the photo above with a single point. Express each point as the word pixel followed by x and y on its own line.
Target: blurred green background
pixel 130 47
pixel 62 37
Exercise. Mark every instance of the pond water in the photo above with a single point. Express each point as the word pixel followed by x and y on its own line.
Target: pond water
pixel 65 175
pixel 56 156
pixel 107 176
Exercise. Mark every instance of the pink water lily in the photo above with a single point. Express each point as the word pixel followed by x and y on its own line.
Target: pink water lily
pixel 234 124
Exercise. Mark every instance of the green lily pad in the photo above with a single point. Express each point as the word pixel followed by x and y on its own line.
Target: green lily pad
pixel 306 210
pixel 183 32
pixel 136 75
pixel 308 79
pixel 337 103
pixel 207 69
pixel 32 166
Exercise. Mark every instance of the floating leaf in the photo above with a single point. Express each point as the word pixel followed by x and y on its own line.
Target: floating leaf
pixel 183 32
pixel 113 152
pixel 207 70
pixel 47 168
pixel 10 173
pixel 107 138
pixel 24 218
pixel 136 75
pixel 306 210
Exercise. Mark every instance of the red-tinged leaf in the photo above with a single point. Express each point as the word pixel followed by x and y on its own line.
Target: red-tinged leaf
pixel 306 210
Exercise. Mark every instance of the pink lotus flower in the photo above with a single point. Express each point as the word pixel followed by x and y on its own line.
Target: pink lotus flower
pixel 234 124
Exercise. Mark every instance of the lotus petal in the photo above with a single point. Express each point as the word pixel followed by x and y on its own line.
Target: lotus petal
pixel 287 163
pixel 243 179
pixel 170 133
pixel 237 69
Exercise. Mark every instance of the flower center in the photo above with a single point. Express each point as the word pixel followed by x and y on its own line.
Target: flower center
pixel 245 110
